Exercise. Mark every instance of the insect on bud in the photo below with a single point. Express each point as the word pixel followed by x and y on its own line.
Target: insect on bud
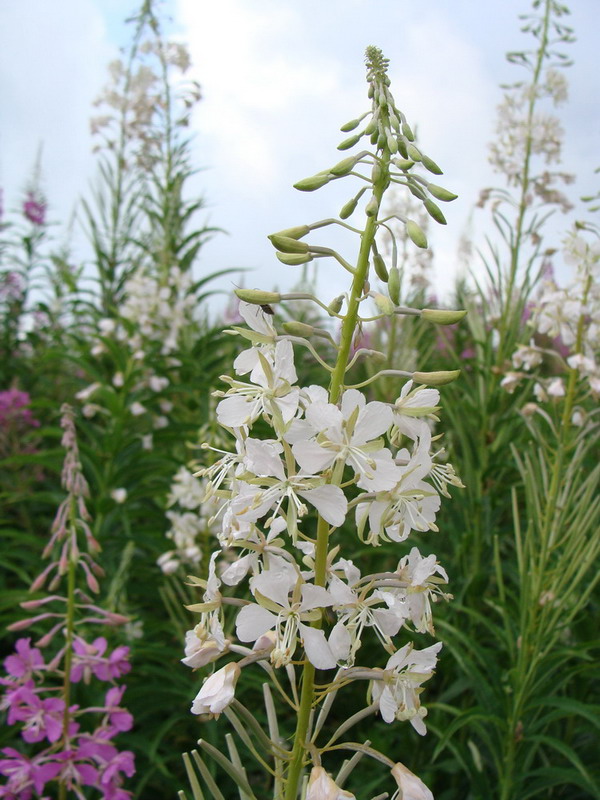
pixel 416 234
pixel 257 297
pixel 440 316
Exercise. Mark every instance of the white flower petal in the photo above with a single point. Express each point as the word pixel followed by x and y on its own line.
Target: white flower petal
pixel 252 621
pixel 330 501
pixel 313 458
pixel 317 650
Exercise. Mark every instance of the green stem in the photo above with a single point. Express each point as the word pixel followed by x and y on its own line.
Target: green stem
pixel 336 387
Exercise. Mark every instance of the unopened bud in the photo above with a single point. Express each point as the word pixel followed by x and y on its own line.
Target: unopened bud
pixel 350 126
pixel 416 233
pixel 394 285
pixel 445 195
pixel 384 304
pixel 312 183
pixel 407 131
pixel 404 163
pixel 380 268
pixel 436 378
pixel 441 316
pixel 257 297
pixel 344 167
pixel 294 233
pixel 349 209
pixel 392 143
pixel 434 211
pixel 349 142
pixel 372 207
pixel 288 245
pixel 294 259
pixel 414 152
pixel 295 328
pixel 371 126
pixel 430 165
pixel 336 304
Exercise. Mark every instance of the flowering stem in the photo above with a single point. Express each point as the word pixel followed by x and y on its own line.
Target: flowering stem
pixel 336 386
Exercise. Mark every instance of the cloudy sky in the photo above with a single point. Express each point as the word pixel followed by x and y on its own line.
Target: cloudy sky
pixel 278 78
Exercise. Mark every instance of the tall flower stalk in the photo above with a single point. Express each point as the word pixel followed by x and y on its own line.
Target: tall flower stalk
pixel 354 465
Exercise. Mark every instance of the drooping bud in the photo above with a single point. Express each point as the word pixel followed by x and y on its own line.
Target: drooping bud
pixel 394 285
pixel 288 245
pixel 314 182
pixel 349 142
pixel 354 123
pixel 257 296
pixel 436 378
pixel 445 195
pixel 380 268
pixel 416 233
pixel 344 167
pixel 441 316
pixel 336 304
pixel 294 233
pixel 411 787
pixel 434 211
pixel 349 208
pixel 407 131
pixel 294 259
pixel 295 328
pixel 430 165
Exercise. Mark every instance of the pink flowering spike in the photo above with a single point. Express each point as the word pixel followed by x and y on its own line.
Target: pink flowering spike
pixel 25 661
pixel 22 624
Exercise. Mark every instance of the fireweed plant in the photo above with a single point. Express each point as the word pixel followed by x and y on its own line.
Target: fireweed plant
pixel 65 747
pixel 370 464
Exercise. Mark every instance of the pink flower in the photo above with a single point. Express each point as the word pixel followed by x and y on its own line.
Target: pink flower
pixel 26 660
pixel 89 658
pixel 13 411
pixel 25 774
pixel 119 718
pixel 34 208
pixel 115 666
pixel 43 718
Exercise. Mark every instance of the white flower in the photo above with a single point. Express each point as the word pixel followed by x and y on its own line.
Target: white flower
pixel 86 393
pixel 203 645
pixel 217 691
pixel 119 495
pixel 322 787
pixel 157 384
pixel 411 406
pixel 137 409
pixel 186 490
pixel 410 787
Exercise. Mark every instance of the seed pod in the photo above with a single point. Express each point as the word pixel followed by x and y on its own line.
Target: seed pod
pixel 441 316
pixel 336 304
pixel 404 163
pixel 314 182
pixel 349 142
pixel 257 297
pixel 288 245
pixel 349 208
pixel 344 167
pixel 416 233
pixel 434 211
pixel 407 131
pixel 394 285
pixel 414 152
pixel 430 165
pixel 294 233
pixel 445 195
pixel 372 207
pixel 380 268
pixel 436 378
pixel 294 259
pixel 295 328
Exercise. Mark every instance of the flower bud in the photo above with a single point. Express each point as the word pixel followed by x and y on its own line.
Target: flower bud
pixel 436 378
pixel 294 233
pixel 411 787
pixel 336 304
pixel 407 132
pixel 394 285
pixel 257 296
pixel 314 182
pixel 322 787
pixel 349 142
pixel 384 304
pixel 416 233
pixel 344 166
pixel 349 208
pixel 404 163
pixel 372 207
pixel 380 268
pixel 392 143
pixel 441 316
pixel 414 152
pixel 294 259
pixel 430 165
pixel 217 691
pixel 295 328
pixel 445 195
pixel 434 211
pixel 287 245
pixel 371 126
pixel 350 126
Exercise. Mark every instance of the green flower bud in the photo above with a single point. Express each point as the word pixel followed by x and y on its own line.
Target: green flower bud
pixel 288 245
pixel 392 143
pixel 407 131
pixel 434 211
pixel 416 234
pixel 402 148
pixel 298 329
pixel 294 259
pixel 394 285
pixel 344 167
pixel 371 126
pixel 445 195
pixel 257 297
pixel 336 304
pixel 436 378
pixel 380 268
pixel 384 304
pixel 394 122
pixel 440 316
pixel 414 152
pixel 349 142
pixel 372 207
pixel 349 208
pixel 374 137
pixel 314 182
pixel 404 163
pixel 375 172
pixel 381 139
pixel 294 233
pixel 430 165
pixel 350 126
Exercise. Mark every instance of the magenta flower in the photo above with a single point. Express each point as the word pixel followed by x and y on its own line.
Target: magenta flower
pixel 89 659
pixel 25 774
pixel 13 409
pixel 43 718
pixel 26 660
pixel 115 666
pixel 34 208
pixel 119 718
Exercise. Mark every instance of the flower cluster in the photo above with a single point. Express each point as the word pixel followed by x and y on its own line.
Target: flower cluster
pixel 75 746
